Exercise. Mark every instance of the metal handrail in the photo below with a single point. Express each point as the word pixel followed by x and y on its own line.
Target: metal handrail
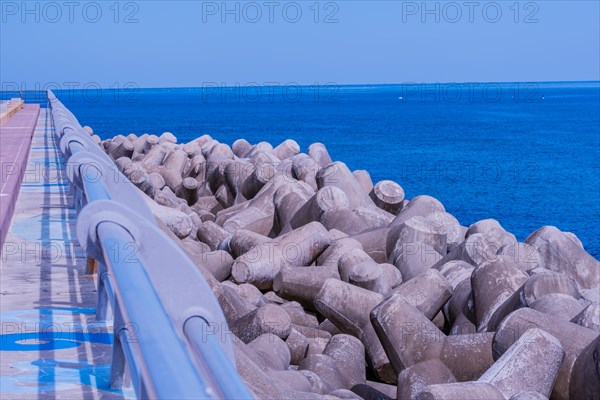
pixel 224 377
pixel 175 353
pixel 155 352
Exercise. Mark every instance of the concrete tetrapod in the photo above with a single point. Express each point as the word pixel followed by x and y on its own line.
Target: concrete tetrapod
pixel 576 378
pixel 531 364
pixel 299 247
pixel 388 196
pixel 348 307
pixel 409 338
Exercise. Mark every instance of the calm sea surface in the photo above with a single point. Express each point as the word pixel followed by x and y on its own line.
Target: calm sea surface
pixel 527 155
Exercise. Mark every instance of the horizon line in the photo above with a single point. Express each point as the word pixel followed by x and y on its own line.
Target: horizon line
pixel 276 84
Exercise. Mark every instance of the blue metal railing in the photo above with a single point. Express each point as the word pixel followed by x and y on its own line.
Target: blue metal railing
pixel 168 326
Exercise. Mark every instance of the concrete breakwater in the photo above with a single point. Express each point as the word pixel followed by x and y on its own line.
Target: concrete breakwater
pixel 337 287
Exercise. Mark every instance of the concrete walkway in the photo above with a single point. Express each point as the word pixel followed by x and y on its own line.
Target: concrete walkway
pixel 50 346
pixel 15 138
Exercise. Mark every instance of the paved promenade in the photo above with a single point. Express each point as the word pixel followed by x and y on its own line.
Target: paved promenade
pixel 50 344
pixel 16 133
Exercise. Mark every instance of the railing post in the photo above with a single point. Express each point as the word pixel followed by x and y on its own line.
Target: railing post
pixel 117 368
pixel 91 266
pixel 104 298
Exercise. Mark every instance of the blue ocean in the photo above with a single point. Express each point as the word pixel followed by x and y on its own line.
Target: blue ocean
pixel 526 154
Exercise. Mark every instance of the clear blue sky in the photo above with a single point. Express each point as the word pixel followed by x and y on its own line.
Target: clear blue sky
pixel 188 43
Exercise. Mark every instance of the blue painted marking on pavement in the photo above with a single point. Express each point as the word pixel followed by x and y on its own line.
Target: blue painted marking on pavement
pixel 50 340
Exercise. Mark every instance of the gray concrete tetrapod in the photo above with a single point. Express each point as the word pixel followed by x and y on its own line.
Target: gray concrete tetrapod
pixel 348 307
pixel 577 378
